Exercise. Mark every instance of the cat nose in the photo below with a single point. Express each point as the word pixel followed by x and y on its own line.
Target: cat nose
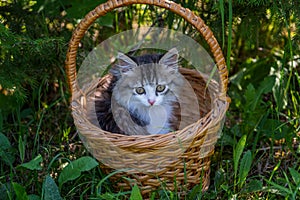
pixel 151 101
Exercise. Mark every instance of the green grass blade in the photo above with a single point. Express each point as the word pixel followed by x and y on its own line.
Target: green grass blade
pixel 135 193
pixel 229 35
pixel 222 11
pixel 283 191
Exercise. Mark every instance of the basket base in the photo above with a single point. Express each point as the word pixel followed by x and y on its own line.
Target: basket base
pixel 180 180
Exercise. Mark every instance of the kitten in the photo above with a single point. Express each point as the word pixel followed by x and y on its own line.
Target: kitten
pixel 143 91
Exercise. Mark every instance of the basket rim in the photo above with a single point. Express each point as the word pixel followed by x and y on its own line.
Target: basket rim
pixel 189 16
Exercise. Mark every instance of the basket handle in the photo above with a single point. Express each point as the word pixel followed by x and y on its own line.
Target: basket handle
pixel 108 6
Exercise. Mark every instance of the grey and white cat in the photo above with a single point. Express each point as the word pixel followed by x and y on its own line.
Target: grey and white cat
pixel 145 90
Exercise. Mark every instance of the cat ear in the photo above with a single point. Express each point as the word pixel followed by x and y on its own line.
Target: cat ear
pixel 125 63
pixel 170 59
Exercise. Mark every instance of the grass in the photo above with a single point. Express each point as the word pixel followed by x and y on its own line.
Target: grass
pixel 249 163
pixel 34 160
pixel 257 156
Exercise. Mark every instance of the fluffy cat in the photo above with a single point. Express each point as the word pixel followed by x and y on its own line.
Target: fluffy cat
pixel 143 94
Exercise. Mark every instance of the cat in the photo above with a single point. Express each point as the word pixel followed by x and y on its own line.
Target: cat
pixel 142 95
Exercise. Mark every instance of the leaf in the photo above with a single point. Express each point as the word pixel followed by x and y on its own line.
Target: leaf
pixel 245 167
pixel 238 152
pixel 50 189
pixel 20 192
pixel 253 186
pixel 6 150
pixel 250 95
pixel 266 85
pixel 275 129
pixel 34 197
pixel 278 90
pixel 73 170
pixel 195 191
pixel 106 20
pixel 79 8
pixel 219 178
pixel 135 193
pixel 26 113
pixel 295 175
pixel 253 96
pixel 1 120
pixel 68 174
pixel 21 148
pixel 34 164
pixel 85 163
pixel 4 142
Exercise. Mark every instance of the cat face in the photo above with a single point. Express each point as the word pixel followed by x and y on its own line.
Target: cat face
pixel 146 81
pixel 150 89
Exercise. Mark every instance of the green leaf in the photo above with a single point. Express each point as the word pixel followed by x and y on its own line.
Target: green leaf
pixel 266 85
pixel 106 20
pixel 34 197
pixel 245 167
pixel 1 120
pixel 135 193
pixel 73 170
pixel 79 8
pixel 295 175
pixel 6 150
pixel 253 96
pixel 6 191
pixel 195 192
pixel 21 148
pixel 227 139
pixel 34 164
pixel 253 186
pixel 219 178
pixel 20 192
pixel 85 163
pixel 68 174
pixel 4 142
pixel 50 189
pixel 278 90
pixel 238 152
pixel 250 96
pixel 275 129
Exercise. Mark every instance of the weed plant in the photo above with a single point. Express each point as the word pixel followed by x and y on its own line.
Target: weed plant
pixel 41 155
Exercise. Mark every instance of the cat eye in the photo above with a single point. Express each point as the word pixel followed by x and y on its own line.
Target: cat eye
pixel 160 88
pixel 140 90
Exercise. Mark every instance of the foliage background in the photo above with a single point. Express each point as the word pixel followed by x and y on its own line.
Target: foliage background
pixel 260 141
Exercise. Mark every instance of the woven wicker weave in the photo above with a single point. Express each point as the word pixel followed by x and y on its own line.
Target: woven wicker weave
pixel 154 160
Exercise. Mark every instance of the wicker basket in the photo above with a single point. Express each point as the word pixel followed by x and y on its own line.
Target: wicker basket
pixel 154 160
